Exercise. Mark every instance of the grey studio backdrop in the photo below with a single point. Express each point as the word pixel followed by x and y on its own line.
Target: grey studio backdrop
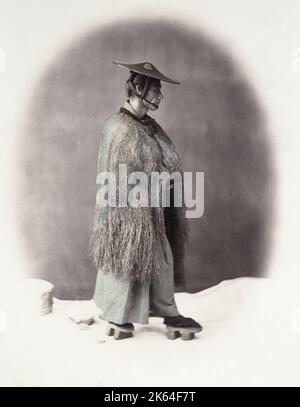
pixel 214 119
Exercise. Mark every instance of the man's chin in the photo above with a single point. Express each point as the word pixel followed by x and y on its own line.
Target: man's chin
pixel 151 107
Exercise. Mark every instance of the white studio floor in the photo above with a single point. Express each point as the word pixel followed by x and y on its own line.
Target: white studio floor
pixel 251 337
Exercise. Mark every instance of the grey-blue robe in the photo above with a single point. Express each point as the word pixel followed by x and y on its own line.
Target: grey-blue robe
pixel 138 251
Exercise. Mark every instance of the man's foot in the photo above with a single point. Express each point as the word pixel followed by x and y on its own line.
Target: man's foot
pixel 126 325
pixel 181 326
pixel 120 331
pixel 180 321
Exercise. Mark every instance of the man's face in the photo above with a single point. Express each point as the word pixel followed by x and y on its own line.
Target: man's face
pixel 154 95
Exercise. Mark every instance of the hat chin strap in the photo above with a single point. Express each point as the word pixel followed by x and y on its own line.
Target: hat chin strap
pixel 151 103
pixel 142 96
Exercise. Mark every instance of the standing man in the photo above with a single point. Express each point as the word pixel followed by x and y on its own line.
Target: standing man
pixel 139 251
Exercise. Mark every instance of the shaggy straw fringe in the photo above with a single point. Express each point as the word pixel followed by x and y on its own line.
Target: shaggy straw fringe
pixel 132 235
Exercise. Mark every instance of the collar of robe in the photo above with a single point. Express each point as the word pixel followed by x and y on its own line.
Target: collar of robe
pixel 146 120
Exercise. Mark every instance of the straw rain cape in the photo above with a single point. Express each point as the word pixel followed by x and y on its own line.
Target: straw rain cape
pixel 124 240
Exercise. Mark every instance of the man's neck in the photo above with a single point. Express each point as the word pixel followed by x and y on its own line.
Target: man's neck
pixel 136 108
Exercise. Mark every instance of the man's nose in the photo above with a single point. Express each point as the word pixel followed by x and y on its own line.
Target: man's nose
pixel 160 96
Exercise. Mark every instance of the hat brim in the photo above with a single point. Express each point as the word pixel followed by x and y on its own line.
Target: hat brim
pixel 153 72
